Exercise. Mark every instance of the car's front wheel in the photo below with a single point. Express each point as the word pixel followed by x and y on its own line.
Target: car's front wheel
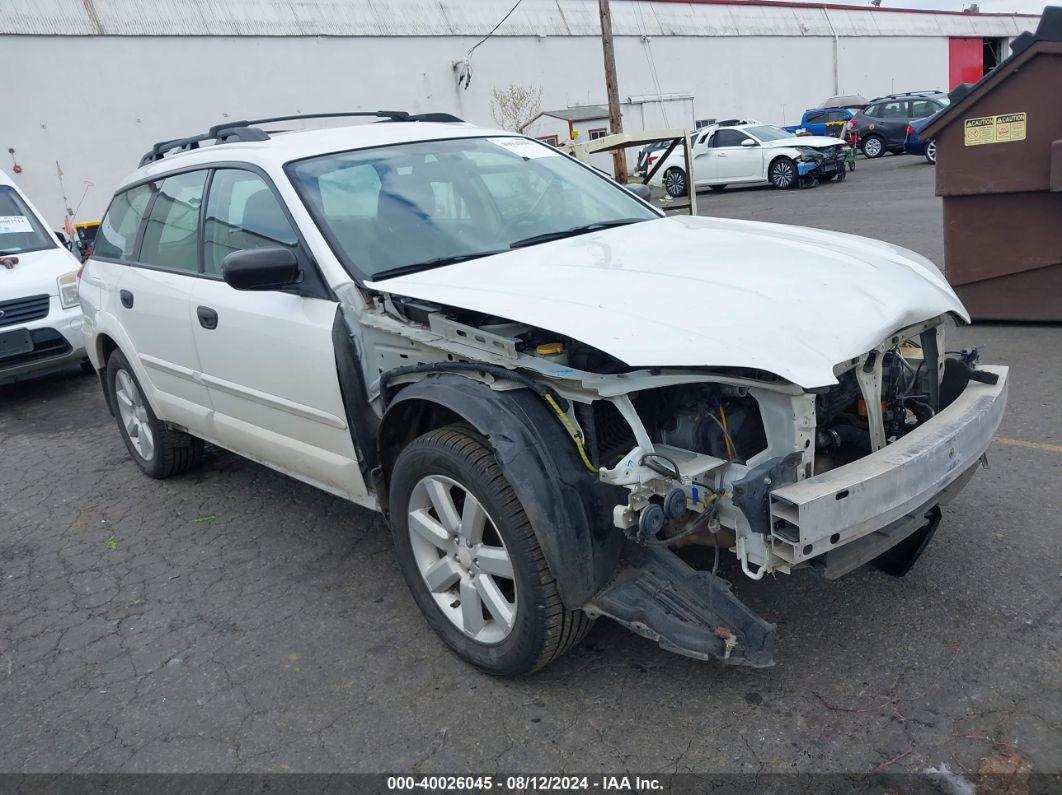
pixel 783 173
pixel 675 182
pixel 159 451
pixel 873 146
pixel 470 557
pixel 931 152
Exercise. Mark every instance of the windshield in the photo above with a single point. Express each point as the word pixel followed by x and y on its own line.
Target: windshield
pixel 766 132
pixel 20 231
pixel 407 207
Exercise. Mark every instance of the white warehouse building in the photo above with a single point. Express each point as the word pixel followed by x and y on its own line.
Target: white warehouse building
pixel 92 84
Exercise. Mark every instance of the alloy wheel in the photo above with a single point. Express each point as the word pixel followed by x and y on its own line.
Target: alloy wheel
pixel 133 413
pixel 462 559
pixel 782 174
pixel 873 147
pixel 931 152
pixel 675 182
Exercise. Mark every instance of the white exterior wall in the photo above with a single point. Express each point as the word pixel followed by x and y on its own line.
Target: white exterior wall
pixel 97 103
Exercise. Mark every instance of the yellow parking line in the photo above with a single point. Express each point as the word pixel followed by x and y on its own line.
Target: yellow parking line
pixel 1048 448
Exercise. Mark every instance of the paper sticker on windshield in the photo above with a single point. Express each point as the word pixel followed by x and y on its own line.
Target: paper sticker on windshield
pixel 14 224
pixel 525 147
pixel 1001 129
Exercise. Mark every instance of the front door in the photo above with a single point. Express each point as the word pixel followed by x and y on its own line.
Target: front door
pixel 733 160
pixel 267 356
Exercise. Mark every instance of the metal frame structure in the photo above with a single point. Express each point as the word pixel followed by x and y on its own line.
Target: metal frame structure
pixel 611 143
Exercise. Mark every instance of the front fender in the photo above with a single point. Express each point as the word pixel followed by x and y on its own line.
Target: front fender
pixel 569 509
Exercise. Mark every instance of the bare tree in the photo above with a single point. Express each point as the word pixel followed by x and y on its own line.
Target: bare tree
pixel 514 107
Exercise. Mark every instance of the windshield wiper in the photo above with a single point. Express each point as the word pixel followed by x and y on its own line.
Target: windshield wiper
pixel 438 262
pixel 575 230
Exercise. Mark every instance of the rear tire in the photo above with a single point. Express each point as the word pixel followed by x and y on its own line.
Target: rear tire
pixel 675 182
pixel 159 451
pixel 529 627
pixel 931 153
pixel 873 146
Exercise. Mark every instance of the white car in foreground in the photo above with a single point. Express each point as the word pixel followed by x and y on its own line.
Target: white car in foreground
pixel 555 394
pixel 745 152
pixel 40 320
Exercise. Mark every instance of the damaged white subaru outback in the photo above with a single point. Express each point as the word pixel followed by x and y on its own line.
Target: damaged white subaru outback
pixel 566 404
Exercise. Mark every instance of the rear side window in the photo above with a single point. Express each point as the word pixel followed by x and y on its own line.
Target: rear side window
pixel 117 233
pixel 873 110
pixel 242 213
pixel 171 233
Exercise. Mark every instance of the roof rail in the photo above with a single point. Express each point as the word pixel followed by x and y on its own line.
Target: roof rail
pixel 924 93
pixel 247 131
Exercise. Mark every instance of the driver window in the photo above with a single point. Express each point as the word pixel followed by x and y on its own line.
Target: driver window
pixel 727 138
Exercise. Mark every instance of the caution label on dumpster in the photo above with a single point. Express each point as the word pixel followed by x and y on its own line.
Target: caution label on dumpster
pixel 1001 129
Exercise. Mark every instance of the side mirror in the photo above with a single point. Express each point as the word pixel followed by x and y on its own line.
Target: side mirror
pixel 269 268
pixel 643 192
pixel 749 142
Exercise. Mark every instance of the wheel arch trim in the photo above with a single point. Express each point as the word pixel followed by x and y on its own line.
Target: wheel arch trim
pixel 569 509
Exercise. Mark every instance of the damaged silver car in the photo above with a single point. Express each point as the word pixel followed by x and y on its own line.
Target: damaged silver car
pixel 566 404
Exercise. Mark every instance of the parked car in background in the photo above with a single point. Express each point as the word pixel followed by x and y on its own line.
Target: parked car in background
pixel 913 145
pixel 823 121
pixel 647 155
pixel 744 151
pixel 882 125
pixel 40 319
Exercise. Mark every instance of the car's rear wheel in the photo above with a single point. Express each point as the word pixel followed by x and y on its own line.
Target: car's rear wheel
pixel 931 152
pixel 783 173
pixel 873 146
pixel 470 557
pixel 675 182
pixel 158 450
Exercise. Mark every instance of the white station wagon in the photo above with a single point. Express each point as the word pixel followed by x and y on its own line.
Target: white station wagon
pixel 566 404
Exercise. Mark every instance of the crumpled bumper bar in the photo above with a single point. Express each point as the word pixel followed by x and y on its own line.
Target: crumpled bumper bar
pixel 815 515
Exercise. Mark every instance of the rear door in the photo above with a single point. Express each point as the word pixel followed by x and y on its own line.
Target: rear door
pixel 154 301
pixel 267 357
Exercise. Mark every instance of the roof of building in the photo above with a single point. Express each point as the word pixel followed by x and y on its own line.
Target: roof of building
pixel 578 113
pixel 476 18
pixel 1048 34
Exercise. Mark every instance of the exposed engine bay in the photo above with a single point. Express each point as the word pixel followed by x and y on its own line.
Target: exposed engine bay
pixel 710 460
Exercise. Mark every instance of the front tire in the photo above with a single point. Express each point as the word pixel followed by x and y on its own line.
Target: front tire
pixel 160 452
pixel 783 173
pixel 675 182
pixel 873 146
pixel 470 557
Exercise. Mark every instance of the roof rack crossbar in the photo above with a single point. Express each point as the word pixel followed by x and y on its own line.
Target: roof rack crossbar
pixel 247 130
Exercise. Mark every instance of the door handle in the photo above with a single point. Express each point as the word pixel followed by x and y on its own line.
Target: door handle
pixel 722 154
pixel 127 298
pixel 208 318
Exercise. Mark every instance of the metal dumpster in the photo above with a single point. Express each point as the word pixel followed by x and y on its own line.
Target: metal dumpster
pixel 999 170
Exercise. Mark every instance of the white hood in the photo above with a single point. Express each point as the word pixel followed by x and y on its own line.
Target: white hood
pixel 704 292
pixel 816 141
pixel 36 273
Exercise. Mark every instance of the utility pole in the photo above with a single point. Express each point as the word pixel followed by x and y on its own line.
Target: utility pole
pixel 615 121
